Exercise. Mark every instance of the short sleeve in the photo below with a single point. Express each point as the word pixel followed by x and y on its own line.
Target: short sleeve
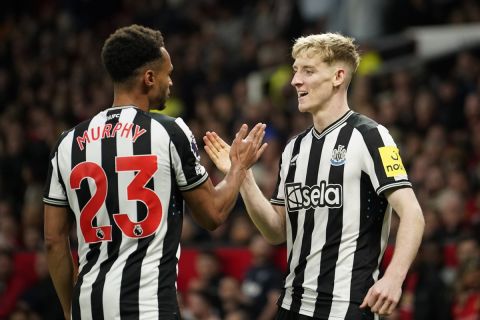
pixel 189 172
pixel 54 191
pixel 383 161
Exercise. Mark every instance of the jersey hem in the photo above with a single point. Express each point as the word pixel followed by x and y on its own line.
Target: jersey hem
pixel 195 184
pixel 55 202
pixel 397 184
pixel 278 202
pixel 310 313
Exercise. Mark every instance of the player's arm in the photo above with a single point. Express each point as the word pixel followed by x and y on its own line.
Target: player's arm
pixel 210 205
pixel 59 256
pixel 269 219
pixel 383 297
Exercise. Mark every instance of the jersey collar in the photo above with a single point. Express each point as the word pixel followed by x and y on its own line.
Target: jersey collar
pixel 333 126
pixel 123 107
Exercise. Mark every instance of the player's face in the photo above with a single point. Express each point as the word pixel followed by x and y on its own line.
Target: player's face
pixel 163 82
pixel 313 81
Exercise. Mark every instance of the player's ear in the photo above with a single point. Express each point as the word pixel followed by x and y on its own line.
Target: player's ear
pixel 339 76
pixel 149 77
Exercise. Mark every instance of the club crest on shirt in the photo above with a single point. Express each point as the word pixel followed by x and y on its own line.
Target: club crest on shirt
pixel 338 156
pixel 392 163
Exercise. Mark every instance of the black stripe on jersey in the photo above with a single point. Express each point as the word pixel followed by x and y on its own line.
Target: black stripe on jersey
pixel 108 152
pixel 167 271
pixel 333 237
pixel 292 215
pixel 365 261
pixel 311 179
pixel 130 287
pixel 83 196
pixel 183 146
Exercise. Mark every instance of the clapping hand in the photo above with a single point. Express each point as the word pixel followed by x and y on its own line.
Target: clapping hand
pixel 245 149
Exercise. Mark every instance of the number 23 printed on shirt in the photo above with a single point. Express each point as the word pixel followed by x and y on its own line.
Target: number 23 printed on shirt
pixel 146 165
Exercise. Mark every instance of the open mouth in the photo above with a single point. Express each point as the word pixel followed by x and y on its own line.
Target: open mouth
pixel 302 94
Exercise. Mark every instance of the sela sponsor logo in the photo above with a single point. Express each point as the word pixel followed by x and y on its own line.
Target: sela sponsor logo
pixel 338 156
pixel 392 163
pixel 305 197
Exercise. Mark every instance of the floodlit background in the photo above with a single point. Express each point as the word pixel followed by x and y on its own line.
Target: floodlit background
pixel 419 76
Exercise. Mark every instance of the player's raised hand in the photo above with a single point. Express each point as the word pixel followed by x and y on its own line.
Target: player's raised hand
pixel 218 151
pixel 246 148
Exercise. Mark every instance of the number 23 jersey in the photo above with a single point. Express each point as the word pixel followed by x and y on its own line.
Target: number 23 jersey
pixel 122 173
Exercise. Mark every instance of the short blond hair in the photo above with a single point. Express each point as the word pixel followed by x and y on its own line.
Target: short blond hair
pixel 332 47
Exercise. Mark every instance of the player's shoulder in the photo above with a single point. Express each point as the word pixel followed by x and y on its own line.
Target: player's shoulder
pixel 174 126
pixel 83 125
pixel 300 135
pixel 161 118
pixel 362 123
pixel 297 138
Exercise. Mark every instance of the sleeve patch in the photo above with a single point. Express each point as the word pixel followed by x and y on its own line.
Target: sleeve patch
pixel 392 163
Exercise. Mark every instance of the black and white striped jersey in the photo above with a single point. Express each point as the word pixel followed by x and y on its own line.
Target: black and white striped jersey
pixel 122 173
pixel 338 219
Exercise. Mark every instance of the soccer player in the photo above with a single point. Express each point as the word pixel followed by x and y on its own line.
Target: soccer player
pixel 124 173
pixel 338 183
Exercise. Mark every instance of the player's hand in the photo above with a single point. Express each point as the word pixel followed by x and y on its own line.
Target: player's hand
pixel 218 151
pixel 383 296
pixel 246 149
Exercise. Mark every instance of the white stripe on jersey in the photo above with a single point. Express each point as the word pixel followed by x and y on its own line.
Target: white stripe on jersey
pixel 113 280
pixel 350 231
pixel 148 308
pixel 318 242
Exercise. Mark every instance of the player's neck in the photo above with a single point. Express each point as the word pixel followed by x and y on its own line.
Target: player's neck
pixel 129 98
pixel 330 112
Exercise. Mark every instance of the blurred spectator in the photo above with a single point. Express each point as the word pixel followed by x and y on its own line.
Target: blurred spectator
pixel 425 294
pixel 231 296
pixel 41 299
pixel 466 304
pixel 200 306
pixel 208 276
pixel 242 229
pixel 238 314
pixel 12 284
pixel 21 313
pixel 263 281
pixel 467 247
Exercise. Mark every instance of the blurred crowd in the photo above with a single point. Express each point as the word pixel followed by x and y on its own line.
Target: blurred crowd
pixel 232 65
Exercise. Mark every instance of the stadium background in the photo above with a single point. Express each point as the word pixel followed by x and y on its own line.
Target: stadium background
pixel 420 77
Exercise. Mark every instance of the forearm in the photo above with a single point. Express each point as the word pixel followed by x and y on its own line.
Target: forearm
pixel 226 192
pixel 62 271
pixel 409 237
pixel 268 221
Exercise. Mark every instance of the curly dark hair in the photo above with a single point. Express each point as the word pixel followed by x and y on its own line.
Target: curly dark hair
pixel 129 48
